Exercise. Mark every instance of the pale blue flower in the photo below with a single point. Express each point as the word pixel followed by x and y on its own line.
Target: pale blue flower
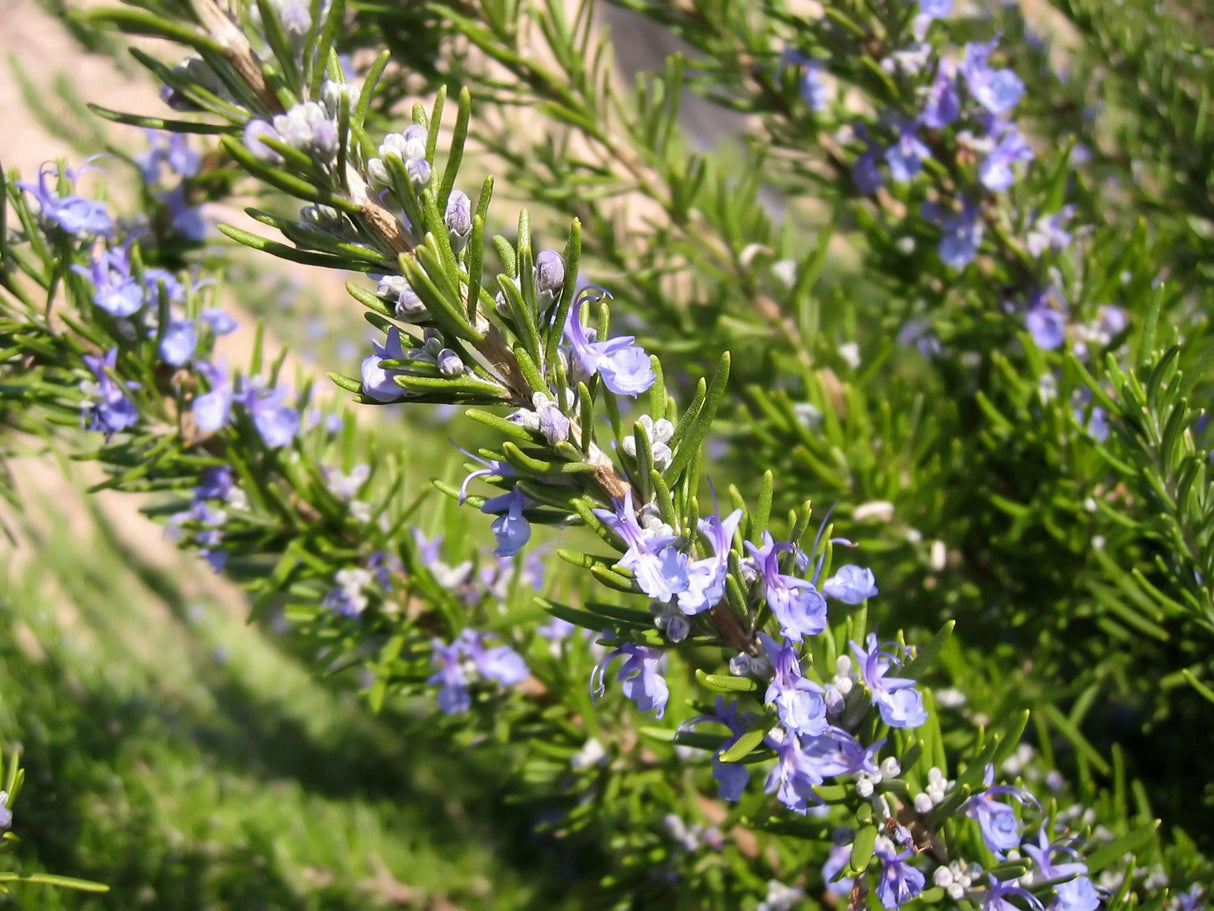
pixel 798 607
pixel 851 585
pixel 179 341
pixel 624 366
pixel 639 675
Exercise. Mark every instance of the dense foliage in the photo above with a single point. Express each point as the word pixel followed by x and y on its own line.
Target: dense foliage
pixel 834 523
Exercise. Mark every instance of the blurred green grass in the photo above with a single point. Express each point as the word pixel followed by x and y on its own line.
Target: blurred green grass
pixel 190 761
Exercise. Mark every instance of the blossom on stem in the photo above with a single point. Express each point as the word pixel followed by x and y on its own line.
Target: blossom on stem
pixel 179 341
pixel 997 821
pixel 639 674
pixel 997 892
pixel 961 233
pixel 706 577
pixel 899 882
pixel 943 105
pixel 996 172
pixel 75 215
pixel 625 368
pixel 661 570
pixel 798 607
pixel 798 700
pixel 906 156
pixel 731 776
pixel 851 585
pixel 793 777
pixel 117 291
pixel 510 528
pixel 898 702
pixel 467 659
pixel 997 90
pixel 1077 893
pixel 213 409
pixel 108 409
pixel 277 422
pixel 378 382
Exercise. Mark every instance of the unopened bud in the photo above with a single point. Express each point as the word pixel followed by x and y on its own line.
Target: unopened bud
pixel 409 307
pixel 296 18
pixel 458 218
pixel 377 173
pixel 331 94
pixel 449 363
pixel 418 170
pixel 549 276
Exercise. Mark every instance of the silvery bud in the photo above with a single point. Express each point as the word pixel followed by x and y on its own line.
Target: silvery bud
pixel 433 342
pixel 409 307
pixel 254 131
pixel 308 128
pixel 390 287
pixel 549 276
pixel 377 174
pixel 324 218
pixel 458 218
pixel 413 142
pixel 393 145
pixel 449 363
pixel 296 18
pixel 418 170
pixel 331 94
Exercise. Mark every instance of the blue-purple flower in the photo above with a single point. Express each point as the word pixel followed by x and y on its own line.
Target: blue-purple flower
pixel 379 383
pixel 108 409
pixel 960 233
pixel 943 105
pixel 997 892
pixel 997 90
pixel 798 607
pixel 661 570
pixel 213 409
pixel 996 172
pixel 706 577
pixel 899 882
pixel 793 777
pixel 74 214
pixel 1077 893
pixel 851 585
pixel 117 291
pixel 467 659
pixel 798 700
pixel 907 154
pixel 639 675
pixel 277 422
pixel 510 528
pixel 179 341
pixel 898 702
pixel 625 368
pixel 998 821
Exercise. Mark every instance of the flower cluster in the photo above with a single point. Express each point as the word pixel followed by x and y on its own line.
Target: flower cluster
pixel 470 659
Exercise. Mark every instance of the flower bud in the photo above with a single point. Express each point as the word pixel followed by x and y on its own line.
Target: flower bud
pixel 254 131
pixel 458 218
pixel 413 142
pixel 409 307
pixel 390 287
pixel 377 174
pixel 323 218
pixel 331 94
pixel 450 363
pixel 549 276
pixel 433 342
pixel 296 18
pixel 418 170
